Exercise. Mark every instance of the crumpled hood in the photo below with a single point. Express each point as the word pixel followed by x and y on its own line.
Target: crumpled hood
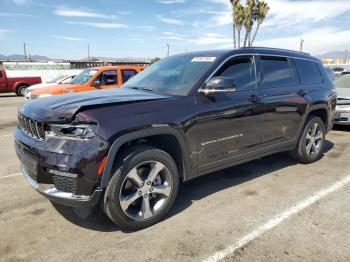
pixel 63 108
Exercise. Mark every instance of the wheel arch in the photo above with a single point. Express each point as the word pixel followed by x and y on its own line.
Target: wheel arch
pixel 17 85
pixel 174 146
pixel 320 110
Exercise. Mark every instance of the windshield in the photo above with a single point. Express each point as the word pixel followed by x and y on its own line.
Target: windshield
pixel 57 79
pixel 174 75
pixel 343 82
pixel 83 77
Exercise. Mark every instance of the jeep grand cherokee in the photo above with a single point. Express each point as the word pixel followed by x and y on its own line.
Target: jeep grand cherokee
pixel 184 116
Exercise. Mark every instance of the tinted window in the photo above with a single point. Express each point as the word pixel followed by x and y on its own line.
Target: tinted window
pixel 309 72
pixel 0 74
pixel 243 70
pixel 108 78
pixel 277 72
pixel 127 73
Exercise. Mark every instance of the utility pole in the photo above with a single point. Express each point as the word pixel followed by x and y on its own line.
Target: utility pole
pixel 301 45
pixel 25 51
pixel 168 46
pixel 88 57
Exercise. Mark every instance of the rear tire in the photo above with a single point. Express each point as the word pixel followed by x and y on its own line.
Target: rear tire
pixel 310 145
pixel 21 90
pixel 143 188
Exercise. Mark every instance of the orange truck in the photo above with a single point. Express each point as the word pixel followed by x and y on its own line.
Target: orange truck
pixel 91 79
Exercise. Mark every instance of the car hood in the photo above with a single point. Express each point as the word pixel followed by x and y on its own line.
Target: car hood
pixel 42 85
pixel 63 108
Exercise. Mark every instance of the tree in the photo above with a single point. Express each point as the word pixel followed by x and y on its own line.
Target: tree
pixel 263 10
pixel 254 12
pixel 234 4
pixel 154 59
pixel 238 21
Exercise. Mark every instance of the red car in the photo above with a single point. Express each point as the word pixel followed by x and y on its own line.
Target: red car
pixel 16 84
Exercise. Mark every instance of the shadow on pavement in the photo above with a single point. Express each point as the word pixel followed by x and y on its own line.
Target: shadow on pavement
pixel 196 189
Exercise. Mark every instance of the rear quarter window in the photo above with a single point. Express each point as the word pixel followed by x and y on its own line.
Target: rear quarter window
pixel 309 71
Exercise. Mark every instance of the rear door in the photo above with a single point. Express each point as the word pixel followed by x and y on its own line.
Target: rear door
pixel 284 100
pixel 126 74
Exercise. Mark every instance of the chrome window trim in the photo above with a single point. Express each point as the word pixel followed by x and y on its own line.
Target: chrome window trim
pixel 200 90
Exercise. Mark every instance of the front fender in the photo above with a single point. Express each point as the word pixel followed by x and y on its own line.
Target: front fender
pixel 108 170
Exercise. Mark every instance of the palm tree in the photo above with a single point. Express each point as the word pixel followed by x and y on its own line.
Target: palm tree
pixel 248 20
pixel 263 10
pixel 234 4
pixel 238 21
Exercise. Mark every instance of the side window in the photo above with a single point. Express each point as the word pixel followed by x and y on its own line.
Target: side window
pixel 108 78
pixel 127 74
pixel 309 72
pixel 0 74
pixel 242 69
pixel 277 71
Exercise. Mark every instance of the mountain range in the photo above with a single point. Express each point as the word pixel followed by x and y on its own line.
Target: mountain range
pixel 18 57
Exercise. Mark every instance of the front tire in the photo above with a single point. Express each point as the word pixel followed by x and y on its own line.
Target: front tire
pixel 310 146
pixel 142 189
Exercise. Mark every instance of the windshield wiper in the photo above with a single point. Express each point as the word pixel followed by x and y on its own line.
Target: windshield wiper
pixel 141 88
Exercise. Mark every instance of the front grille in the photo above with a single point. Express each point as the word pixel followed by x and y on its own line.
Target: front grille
pixel 32 128
pixel 65 184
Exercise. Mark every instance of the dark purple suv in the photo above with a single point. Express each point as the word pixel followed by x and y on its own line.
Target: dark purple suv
pixel 182 117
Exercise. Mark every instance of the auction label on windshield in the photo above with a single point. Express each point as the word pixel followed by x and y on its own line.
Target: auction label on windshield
pixel 203 59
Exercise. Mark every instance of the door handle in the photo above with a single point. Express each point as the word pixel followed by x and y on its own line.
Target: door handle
pixel 302 93
pixel 254 98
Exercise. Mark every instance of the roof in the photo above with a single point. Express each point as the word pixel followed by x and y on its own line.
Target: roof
pixel 254 50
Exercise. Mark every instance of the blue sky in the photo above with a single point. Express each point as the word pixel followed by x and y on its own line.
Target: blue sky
pixel 142 28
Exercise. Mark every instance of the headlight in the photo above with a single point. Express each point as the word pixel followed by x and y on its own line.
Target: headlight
pixel 83 131
pixel 44 95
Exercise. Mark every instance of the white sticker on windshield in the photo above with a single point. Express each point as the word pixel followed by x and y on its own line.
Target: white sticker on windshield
pixel 203 59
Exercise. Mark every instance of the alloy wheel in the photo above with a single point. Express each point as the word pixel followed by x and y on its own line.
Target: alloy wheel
pixel 314 139
pixel 145 190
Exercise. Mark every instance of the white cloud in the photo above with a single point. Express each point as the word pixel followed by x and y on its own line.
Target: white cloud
pixel 169 2
pixel 146 28
pixel 68 38
pixel 317 41
pixel 21 2
pixel 98 25
pixel 211 39
pixel 14 14
pixel 171 21
pixel 286 13
pixel 69 12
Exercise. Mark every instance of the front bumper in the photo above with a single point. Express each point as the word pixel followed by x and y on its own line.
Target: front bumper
pixel 64 198
pixel 342 116
pixel 63 170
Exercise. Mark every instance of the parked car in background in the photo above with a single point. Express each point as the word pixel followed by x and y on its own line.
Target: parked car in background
pixel 338 70
pixel 92 79
pixel 61 80
pixel 16 84
pixel 342 85
pixel 184 116
pixel 331 73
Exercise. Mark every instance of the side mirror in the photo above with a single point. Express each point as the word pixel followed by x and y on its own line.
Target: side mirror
pixel 219 85
pixel 96 83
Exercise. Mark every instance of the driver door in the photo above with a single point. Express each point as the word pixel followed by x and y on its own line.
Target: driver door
pixel 230 123
pixel 107 79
